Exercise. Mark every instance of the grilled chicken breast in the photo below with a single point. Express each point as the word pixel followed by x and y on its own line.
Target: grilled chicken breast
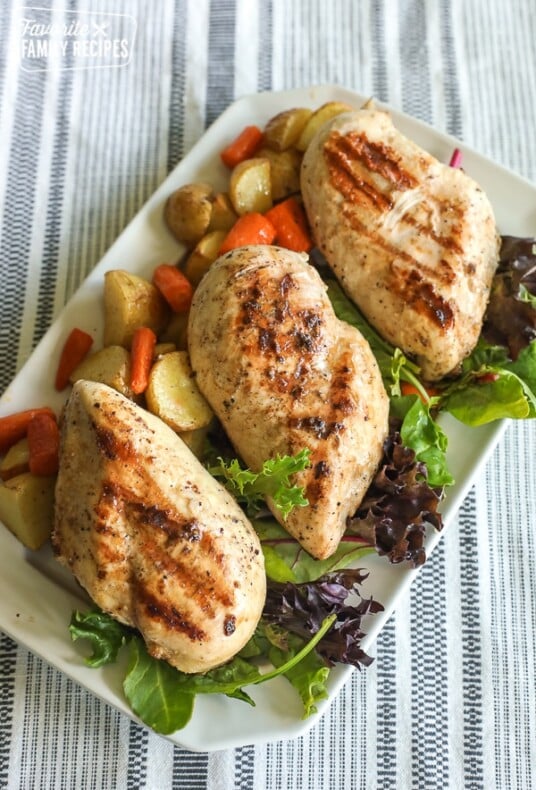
pixel 283 373
pixel 412 241
pixel 151 536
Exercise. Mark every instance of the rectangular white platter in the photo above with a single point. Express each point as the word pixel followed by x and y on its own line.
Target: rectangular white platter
pixel 37 597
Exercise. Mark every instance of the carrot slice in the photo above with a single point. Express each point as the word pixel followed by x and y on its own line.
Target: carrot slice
pixel 290 223
pixel 410 389
pixel 250 228
pixel 174 286
pixel 74 351
pixel 141 358
pixel 15 426
pixel 43 445
pixel 242 147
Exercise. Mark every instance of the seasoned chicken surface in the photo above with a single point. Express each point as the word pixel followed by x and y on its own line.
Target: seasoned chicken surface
pixel 283 374
pixel 151 536
pixel 412 241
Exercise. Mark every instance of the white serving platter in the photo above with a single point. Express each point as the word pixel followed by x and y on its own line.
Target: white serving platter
pixel 37 596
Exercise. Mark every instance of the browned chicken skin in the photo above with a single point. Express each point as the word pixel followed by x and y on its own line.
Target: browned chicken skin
pixel 151 536
pixel 283 374
pixel 412 241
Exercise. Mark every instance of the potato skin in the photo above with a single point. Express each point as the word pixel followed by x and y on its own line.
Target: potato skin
pixel 188 211
pixel 109 365
pixel 284 129
pixel 27 508
pixel 130 302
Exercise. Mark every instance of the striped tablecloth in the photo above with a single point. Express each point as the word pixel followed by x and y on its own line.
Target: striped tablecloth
pixel 450 699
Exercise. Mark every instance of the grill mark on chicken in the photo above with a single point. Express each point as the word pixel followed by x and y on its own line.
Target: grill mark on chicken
pixel 345 155
pixel 267 303
pixel 410 284
pixel 166 532
pixel 175 620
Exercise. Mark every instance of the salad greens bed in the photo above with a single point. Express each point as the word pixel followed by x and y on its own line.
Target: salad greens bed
pixel 314 610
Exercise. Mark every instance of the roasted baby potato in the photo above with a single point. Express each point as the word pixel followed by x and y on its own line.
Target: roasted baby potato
pixel 15 461
pixel 27 508
pixel 130 302
pixel 250 188
pixel 110 365
pixel 174 396
pixel 318 119
pixel 284 130
pixel 203 256
pixel 188 211
pixel 284 171
pixel 223 215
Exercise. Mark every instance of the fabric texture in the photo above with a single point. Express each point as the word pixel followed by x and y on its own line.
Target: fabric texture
pixel 450 699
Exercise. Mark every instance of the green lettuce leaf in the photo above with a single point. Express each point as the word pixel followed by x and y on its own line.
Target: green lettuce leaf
pixel 286 561
pixel 162 696
pixel 105 635
pixel 153 693
pixel 251 488
pixel 493 387
pixel 309 677
pixel 421 433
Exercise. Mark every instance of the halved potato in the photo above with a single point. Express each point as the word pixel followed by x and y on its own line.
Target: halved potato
pixel 187 212
pixel 109 365
pixel 318 119
pixel 250 188
pixel 203 256
pixel 284 171
pixel 284 130
pixel 130 302
pixel 16 460
pixel 27 508
pixel 223 215
pixel 174 396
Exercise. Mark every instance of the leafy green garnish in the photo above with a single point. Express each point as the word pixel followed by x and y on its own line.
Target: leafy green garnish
pixel 153 693
pixel 162 696
pixel 104 633
pixel 286 561
pixel 273 481
pixel 421 433
pixel 493 387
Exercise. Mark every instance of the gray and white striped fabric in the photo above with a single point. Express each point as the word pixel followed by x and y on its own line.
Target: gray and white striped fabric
pixel 450 700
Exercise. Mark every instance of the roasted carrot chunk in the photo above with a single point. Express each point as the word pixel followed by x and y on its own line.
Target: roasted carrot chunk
pixel 174 286
pixel 43 445
pixel 290 223
pixel 141 358
pixel 250 228
pixel 242 147
pixel 74 351
pixel 15 426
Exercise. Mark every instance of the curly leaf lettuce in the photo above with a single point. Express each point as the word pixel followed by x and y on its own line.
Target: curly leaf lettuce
pixel 273 481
